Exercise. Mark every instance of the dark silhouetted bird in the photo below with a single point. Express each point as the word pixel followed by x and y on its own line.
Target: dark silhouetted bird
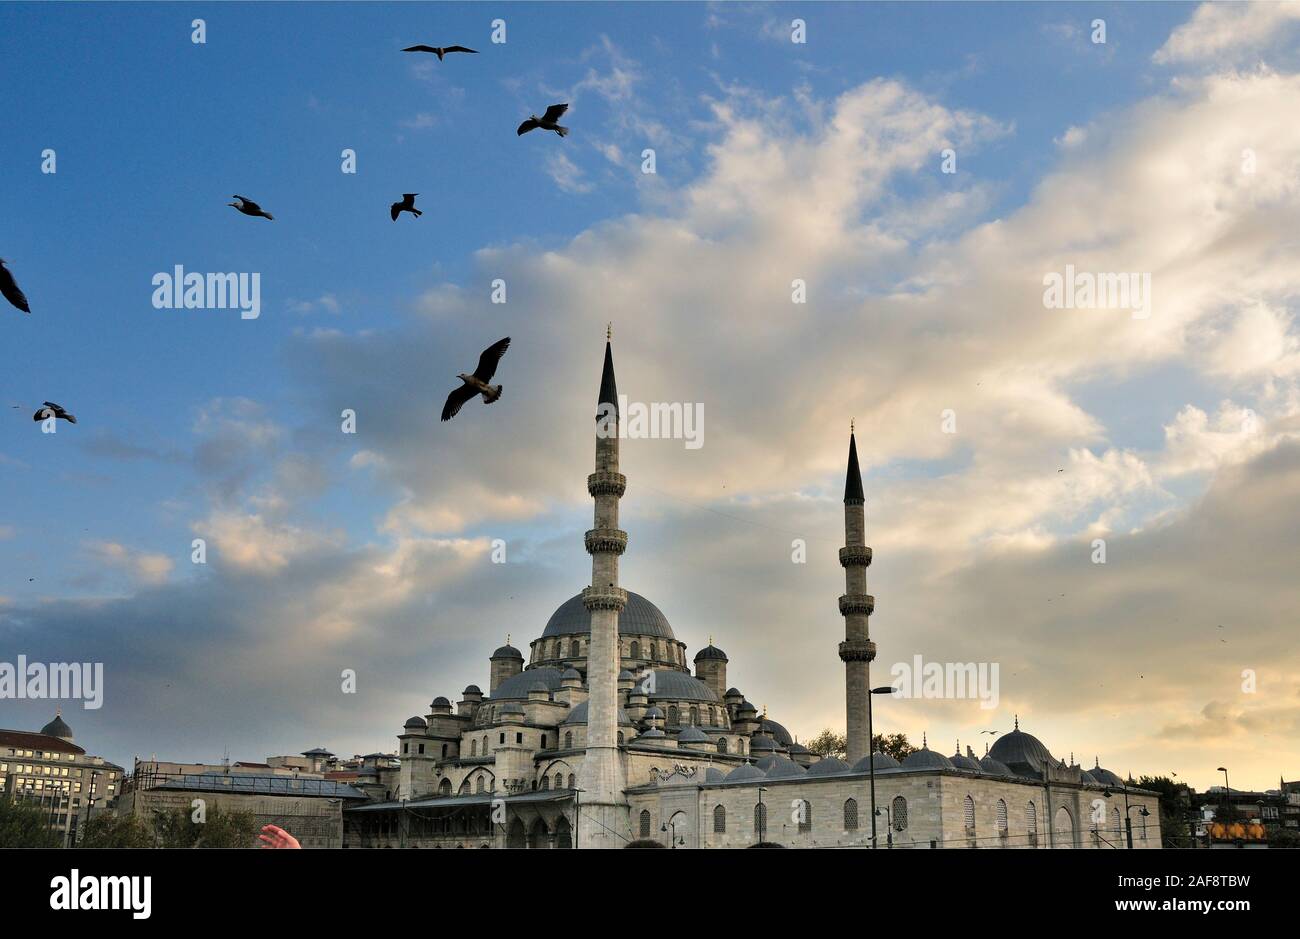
pixel 406 205
pixel 439 51
pixel 9 287
pixel 477 384
pixel 546 121
pixel 53 410
pixel 249 207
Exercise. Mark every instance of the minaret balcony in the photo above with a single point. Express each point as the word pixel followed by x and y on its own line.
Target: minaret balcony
pixel 606 541
pixel 855 555
pixel 604 598
pixel 863 603
pixel 605 483
pixel 857 650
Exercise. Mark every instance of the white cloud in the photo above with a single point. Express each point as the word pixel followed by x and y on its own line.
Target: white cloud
pixel 1228 31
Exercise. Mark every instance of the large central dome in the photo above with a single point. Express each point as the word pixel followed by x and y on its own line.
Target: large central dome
pixel 640 617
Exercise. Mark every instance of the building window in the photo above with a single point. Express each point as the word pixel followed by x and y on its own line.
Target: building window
pixel 1031 824
pixel 805 816
pixel 899 813
pixel 645 824
pixel 444 749
pixel 636 649
pixel 503 740
pixel 1115 822
pixel 695 717
pixel 572 781
pixel 573 648
pixel 620 738
pixel 404 746
pixel 546 783
pixel 722 744
pixel 543 741
pixel 478 784
pixel 559 781
pixel 672 715
pixel 760 820
pixel 851 815
pixel 519 738
pixel 568 739
pixel 968 814
pixel 473 748
pixel 719 820
pixel 1002 818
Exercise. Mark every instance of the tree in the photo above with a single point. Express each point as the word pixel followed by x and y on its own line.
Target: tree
pixel 26 825
pixel 827 744
pixel 112 831
pixel 896 745
pixel 831 743
pixel 1175 804
pixel 177 829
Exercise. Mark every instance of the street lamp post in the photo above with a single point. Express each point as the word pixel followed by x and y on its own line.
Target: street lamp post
pixel 871 757
pixel 1227 796
pixel 1128 819
pixel 674 841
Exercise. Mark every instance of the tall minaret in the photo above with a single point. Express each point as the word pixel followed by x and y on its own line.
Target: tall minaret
pixel 603 806
pixel 857 650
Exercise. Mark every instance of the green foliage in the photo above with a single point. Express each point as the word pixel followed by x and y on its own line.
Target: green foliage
pixel 827 743
pixel 177 829
pixel 832 743
pixel 896 745
pixel 111 831
pixel 1175 807
pixel 23 825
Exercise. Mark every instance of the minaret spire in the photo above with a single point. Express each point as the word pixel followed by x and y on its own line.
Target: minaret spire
pixel 856 605
pixel 604 820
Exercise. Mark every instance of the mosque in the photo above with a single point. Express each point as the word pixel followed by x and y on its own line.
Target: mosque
pixel 608 735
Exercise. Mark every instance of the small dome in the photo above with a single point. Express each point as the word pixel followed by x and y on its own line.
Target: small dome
pixel 692 735
pixel 830 766
pixel 960 761
pixel 653 734
pixel 798 748
pixel 512 707
pixel 538 686
pixel 415 722
pixel 925 758
pixel 57 728
pixel 746 772
pixel 1023 753
pixel 992 767
pixel 1105 777
pixel 714 775
pixel 776 732
pixel 578 715
pixel 518 686
pixel 711 652
pixel 671 685
pixel 440 702
pixel 472 689
pixel 570 674
pixel 785 768
pixel 508 652
pixel 625 675
pixel 654 712
pixel 746 708
pixel 733 693
pixel 1088 779
pixel 761 742
pixel 882 761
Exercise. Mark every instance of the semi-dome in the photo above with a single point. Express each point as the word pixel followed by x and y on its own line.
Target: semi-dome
pixel 57 728
pixel 961 761
pixel 1024 754
pixel 1088 779
pixel 882 761
pixel 746 772
pixel 570 673
pixel 673 685
pixel 714 775
pixel 692 735
pixel 578 715
pixel 711 652
pixel 414 723
pixel 762 742
pixel 829 766
pixel 992 767
pixel 654 733
pixel 778 733
pixel 518 686
pixel 508 652
pixel 1105 777
pixel 925 758
pixel 785 768
pixel 639 618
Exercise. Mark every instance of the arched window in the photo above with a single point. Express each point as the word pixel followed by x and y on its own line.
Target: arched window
pixel 1031 824
pixel 1002 817
pixel 898 814
pixel 695 717
pixel 654 651
pixel 1115 822
pixel 760 821
pixel 713 717
pixel 568 739
pixel 573 648
pixel 572 782
pixel 851 815
pixel 722 744
pixel 444 787
pixel 635 650
pixel 546 783
pixel 672 715
pixel 740 745
pixel 719 820
pixel 444 749
pixel 559 781
pixel 484 748
pixel 968 814
pixel 473 748
pixel 805 816
pixel 478 783
pixel 645 823
pixel 620 738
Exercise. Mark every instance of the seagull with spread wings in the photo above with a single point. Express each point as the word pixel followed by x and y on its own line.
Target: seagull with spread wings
pixel 9 287
pixel 546 122
pixel 249 207
pixel 477 384
pixel 51 409
pixel 439 51
pixel 406 205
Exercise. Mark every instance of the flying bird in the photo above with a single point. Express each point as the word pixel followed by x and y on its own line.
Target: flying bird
pixel 439 51
pixel 477 383
pixel 9 287
pixel 406 205
pixel 546 122
pixel 51 409
pixel 249 207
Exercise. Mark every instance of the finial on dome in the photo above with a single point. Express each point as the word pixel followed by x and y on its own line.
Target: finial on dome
pixel 1017 722
pixel 925 744
pixel 851 424
pixel 986 748
pixel 710 640
pixel 1096 762
pixel 765 712
pixel 507 638
pixel 609 331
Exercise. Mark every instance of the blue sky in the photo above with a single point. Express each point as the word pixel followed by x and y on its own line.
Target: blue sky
pixel 197 422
